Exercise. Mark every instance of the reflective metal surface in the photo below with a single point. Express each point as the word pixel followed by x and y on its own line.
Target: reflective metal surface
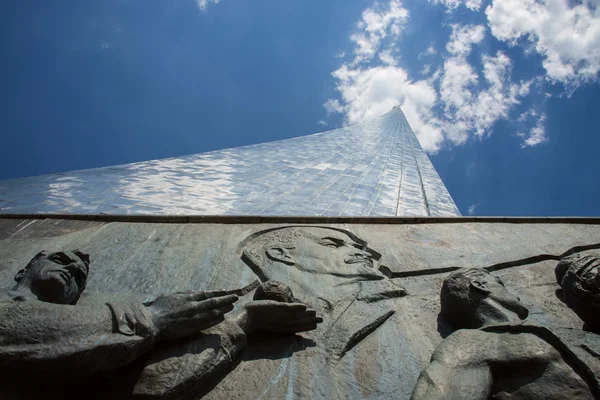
pixel 376 168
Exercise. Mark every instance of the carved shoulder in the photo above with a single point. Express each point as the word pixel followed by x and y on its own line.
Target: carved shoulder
pixel 463 347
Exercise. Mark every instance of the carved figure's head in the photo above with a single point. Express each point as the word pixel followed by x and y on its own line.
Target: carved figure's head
pixel 472 298
pixel 311 249
pixel 55 277
pixel 579 278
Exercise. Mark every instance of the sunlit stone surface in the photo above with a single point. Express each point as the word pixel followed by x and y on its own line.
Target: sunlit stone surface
pixel 376 168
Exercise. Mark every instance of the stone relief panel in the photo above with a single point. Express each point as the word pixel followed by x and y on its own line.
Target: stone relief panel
pixel 307 312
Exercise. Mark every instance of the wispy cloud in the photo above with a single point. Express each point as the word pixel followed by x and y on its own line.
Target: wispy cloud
pixel 472 208
pixel 536 135
pixel 376 24
pixel 202 4
pixel 429 52
pixel 322 123
pixel 451 5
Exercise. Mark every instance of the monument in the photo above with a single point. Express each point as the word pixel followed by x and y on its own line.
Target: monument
pixel 376 168
pixel 330 266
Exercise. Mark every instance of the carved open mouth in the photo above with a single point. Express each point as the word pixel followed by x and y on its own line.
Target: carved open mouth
pixel 360 260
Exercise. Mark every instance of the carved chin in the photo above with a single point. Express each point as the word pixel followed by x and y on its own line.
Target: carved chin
pixel 55 289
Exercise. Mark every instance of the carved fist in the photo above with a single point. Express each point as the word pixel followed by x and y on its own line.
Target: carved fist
pixel 178 315
pixel 268 316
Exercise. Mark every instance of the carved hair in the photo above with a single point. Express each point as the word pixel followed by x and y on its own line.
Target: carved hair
pixel 577 275
pixel 459 300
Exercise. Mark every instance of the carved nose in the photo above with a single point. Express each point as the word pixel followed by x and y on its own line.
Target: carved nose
pixel 71 268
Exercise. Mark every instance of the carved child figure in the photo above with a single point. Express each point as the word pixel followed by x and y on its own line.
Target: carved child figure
pixel 495 355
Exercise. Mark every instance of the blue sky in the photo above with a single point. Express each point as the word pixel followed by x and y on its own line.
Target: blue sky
pixel 504 95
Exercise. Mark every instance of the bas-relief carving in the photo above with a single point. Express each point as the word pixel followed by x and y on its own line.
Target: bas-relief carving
pixel 183 343
pixel 332 270
pixel 496 354
pixel 46 337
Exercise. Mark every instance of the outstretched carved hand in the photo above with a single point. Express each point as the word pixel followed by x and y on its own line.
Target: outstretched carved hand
pixel 270 316
pixel 178 315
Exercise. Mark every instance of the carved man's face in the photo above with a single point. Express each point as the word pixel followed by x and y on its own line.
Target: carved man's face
pixel 327 251
pixel 55 278
pixel 579 277
pixel 496 301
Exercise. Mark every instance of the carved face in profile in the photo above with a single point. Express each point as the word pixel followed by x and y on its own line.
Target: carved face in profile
pixel 56 277
pixel 325 251
pixel 316 250
pixel 473 297
pixel 579 278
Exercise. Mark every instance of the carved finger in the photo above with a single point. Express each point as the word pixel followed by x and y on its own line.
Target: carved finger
pixel 297 329
pixel 216 302
pixel 215 312
pixel 303 322
pixel 199 296
pixel 277 306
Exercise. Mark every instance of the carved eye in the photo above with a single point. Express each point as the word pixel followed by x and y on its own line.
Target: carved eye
pixel 59 260
pixel 330 243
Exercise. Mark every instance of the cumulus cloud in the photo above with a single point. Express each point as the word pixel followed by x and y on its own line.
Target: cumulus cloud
pixel 376 24
pixel 475 110
pixel 568 37
pixel 457 101
pixel 368 91
pixel 202 4
pixel 463 38
pixel 372 91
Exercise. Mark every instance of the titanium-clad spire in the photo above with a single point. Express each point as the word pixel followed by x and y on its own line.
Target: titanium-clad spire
pixel 376 168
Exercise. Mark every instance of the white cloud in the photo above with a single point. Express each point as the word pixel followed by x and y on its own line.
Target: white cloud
pixel 457 80
pixel 370 92
pixel 322 123
pixel 463 38
pixel 567 37
pixel 387 58
pixel 537 134
pixel 376 24
pixel 429 52
pixel 202 4
pixel 451 5
pixel 472 101
pixel 333 106
pixel 471 170
pixel 472 106
pixel 473 110
pixel 472 208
